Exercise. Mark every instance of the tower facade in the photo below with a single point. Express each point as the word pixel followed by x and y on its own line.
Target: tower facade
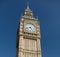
pixel 28 36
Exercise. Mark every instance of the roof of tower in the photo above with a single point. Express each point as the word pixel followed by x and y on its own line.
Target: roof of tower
pixel 28 13
pixel 28 8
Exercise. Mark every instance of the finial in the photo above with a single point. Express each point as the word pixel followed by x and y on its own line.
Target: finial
pixel 27 5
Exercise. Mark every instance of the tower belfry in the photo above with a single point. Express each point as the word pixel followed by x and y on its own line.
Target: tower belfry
pixel 28 36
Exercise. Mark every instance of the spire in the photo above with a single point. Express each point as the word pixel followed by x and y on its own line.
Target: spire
pixel 28 11
pixel 28 5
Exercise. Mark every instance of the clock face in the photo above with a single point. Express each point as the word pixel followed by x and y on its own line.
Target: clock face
pixel 30 27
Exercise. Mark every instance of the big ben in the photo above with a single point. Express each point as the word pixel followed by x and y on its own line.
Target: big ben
pixel 28 35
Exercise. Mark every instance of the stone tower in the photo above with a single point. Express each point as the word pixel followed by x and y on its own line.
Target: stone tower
pixel 28 36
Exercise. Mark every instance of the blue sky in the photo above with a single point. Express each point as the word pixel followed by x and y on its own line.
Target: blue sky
pixel 48 12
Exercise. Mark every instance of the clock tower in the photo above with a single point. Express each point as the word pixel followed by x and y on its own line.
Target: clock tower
pixel 28 36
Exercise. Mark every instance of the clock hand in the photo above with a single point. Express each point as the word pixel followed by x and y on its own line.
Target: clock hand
pixel 30 28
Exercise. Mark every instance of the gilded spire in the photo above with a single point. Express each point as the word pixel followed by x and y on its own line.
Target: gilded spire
pixel 28 11
pixel 28 5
